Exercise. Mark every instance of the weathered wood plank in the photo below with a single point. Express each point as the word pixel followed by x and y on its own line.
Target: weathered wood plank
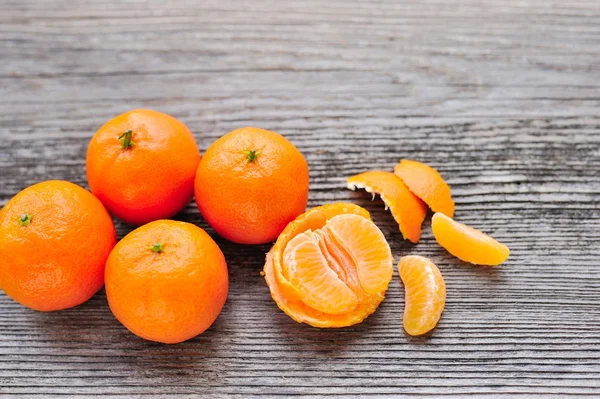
pixel 502 97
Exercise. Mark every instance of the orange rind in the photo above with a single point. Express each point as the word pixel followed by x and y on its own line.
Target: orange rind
pixel 425 294
pixel 467 243
pixel 330 267
pixel 406 208
pixel 427 184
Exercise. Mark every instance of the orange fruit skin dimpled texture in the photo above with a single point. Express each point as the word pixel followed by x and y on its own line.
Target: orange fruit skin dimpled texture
pixel 330 267
pixel 166 281
pixel 56 237
pixel 250 184
pixel 141 165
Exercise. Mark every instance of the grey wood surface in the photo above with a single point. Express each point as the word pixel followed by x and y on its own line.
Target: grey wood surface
pixel 502 96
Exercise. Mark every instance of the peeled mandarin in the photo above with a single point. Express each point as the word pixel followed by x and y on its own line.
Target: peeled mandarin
pixel 330 267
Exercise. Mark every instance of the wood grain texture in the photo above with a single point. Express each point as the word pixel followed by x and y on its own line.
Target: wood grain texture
pixel 501 96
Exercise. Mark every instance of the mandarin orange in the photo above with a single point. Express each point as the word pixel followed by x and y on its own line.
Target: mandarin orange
pixel 250 184
pixel 141 165
pixel 166 281
pixel 56 237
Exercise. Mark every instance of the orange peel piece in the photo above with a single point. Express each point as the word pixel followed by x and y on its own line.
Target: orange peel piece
pixel 467 243
pixel 425 291
pixel 330 267
pixel 427 184
pixel 406 208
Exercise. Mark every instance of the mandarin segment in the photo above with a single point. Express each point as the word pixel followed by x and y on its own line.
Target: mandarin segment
pixel 467 243
pixel 425 294
pixel 337 257
pixel 407 209
pixel 365 245
pixel 319 267
pixel 427 184
pixel 320 286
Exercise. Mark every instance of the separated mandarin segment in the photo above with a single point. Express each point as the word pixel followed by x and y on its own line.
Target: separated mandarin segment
pixel 467 243
pixel 166 281
pixel 330 267
pixel 141 165
pixel 425 294
pixel 427 184
pixel 250 184
pixel 407 209
pixel 56 237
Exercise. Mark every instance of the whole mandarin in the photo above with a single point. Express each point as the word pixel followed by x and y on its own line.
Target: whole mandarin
pixel 250 184
pixel 166 281
pixel 56 237
pixel 141 165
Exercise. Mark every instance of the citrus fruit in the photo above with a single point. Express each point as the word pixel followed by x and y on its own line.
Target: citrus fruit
pixel 427 184
pixel 425 294
pixel 166 281
pixel 330 267
pixel 408 210
pixel 54 240
pixel 141 165
pixel 250 184
pixel 467 243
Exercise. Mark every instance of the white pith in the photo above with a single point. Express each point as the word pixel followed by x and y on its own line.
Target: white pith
pixel 354 186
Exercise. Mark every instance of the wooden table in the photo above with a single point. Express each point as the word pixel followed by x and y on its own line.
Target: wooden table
pixel 501 96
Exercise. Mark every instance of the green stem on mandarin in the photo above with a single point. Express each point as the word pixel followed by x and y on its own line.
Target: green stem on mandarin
pixel 251 155
pixel 157 247
pixel 25 219
pixel 126 139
